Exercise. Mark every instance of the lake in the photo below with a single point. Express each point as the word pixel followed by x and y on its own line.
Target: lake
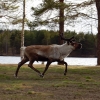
pixel 69 60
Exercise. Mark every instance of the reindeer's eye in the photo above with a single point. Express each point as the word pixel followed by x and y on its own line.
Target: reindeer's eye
pixel 72 43
pixel 73 40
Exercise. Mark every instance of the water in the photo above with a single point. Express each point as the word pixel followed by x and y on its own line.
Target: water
pixel 69 60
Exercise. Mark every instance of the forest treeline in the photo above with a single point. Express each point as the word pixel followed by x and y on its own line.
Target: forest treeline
pixel 10 41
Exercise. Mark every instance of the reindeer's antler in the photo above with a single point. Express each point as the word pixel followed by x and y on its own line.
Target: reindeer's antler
pixel 68 40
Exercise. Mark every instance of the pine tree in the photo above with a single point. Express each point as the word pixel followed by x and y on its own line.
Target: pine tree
pixel 98 35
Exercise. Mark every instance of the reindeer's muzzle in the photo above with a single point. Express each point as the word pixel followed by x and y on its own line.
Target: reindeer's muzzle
pixel 79 46
pixel 76 45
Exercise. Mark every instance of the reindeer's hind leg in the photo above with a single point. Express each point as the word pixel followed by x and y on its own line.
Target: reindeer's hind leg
pixel 30 65
pixel 20 64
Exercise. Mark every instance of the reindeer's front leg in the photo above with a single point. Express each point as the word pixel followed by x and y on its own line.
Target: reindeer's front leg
pixel 63 62
pixel 65 68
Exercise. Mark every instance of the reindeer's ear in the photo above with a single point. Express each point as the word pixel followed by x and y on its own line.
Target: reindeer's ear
pixel 72 39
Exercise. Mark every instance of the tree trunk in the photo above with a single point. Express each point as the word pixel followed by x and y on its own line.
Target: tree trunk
pixel 98 35
pixel 22 34
pixel 61 21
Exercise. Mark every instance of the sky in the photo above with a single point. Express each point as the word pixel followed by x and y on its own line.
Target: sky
pixel 88 25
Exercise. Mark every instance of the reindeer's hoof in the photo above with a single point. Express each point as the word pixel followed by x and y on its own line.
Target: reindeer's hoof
pixel 41 75
pixel 15 76
pixel 65 74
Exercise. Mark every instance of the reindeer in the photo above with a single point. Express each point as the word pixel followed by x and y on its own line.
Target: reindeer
pixel 49 53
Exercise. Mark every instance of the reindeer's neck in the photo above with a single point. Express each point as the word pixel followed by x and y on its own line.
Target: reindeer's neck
pixel 65 50
pixel 61 51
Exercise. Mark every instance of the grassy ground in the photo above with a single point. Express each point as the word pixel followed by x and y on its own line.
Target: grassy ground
pixel 80 83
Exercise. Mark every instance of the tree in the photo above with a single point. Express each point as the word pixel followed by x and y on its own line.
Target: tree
pixel 98 35
pixel 50 5
pixel 61 20
pixel 23 24
pixel 22 34
pixel 8 9
pixel 66 13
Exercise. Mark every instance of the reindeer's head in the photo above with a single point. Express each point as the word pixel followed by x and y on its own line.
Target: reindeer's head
pixel 71 41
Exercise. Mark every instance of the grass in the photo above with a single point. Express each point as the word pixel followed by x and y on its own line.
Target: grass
pixel 80 83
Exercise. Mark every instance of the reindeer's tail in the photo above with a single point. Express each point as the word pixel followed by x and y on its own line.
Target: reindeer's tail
pixel 22 49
